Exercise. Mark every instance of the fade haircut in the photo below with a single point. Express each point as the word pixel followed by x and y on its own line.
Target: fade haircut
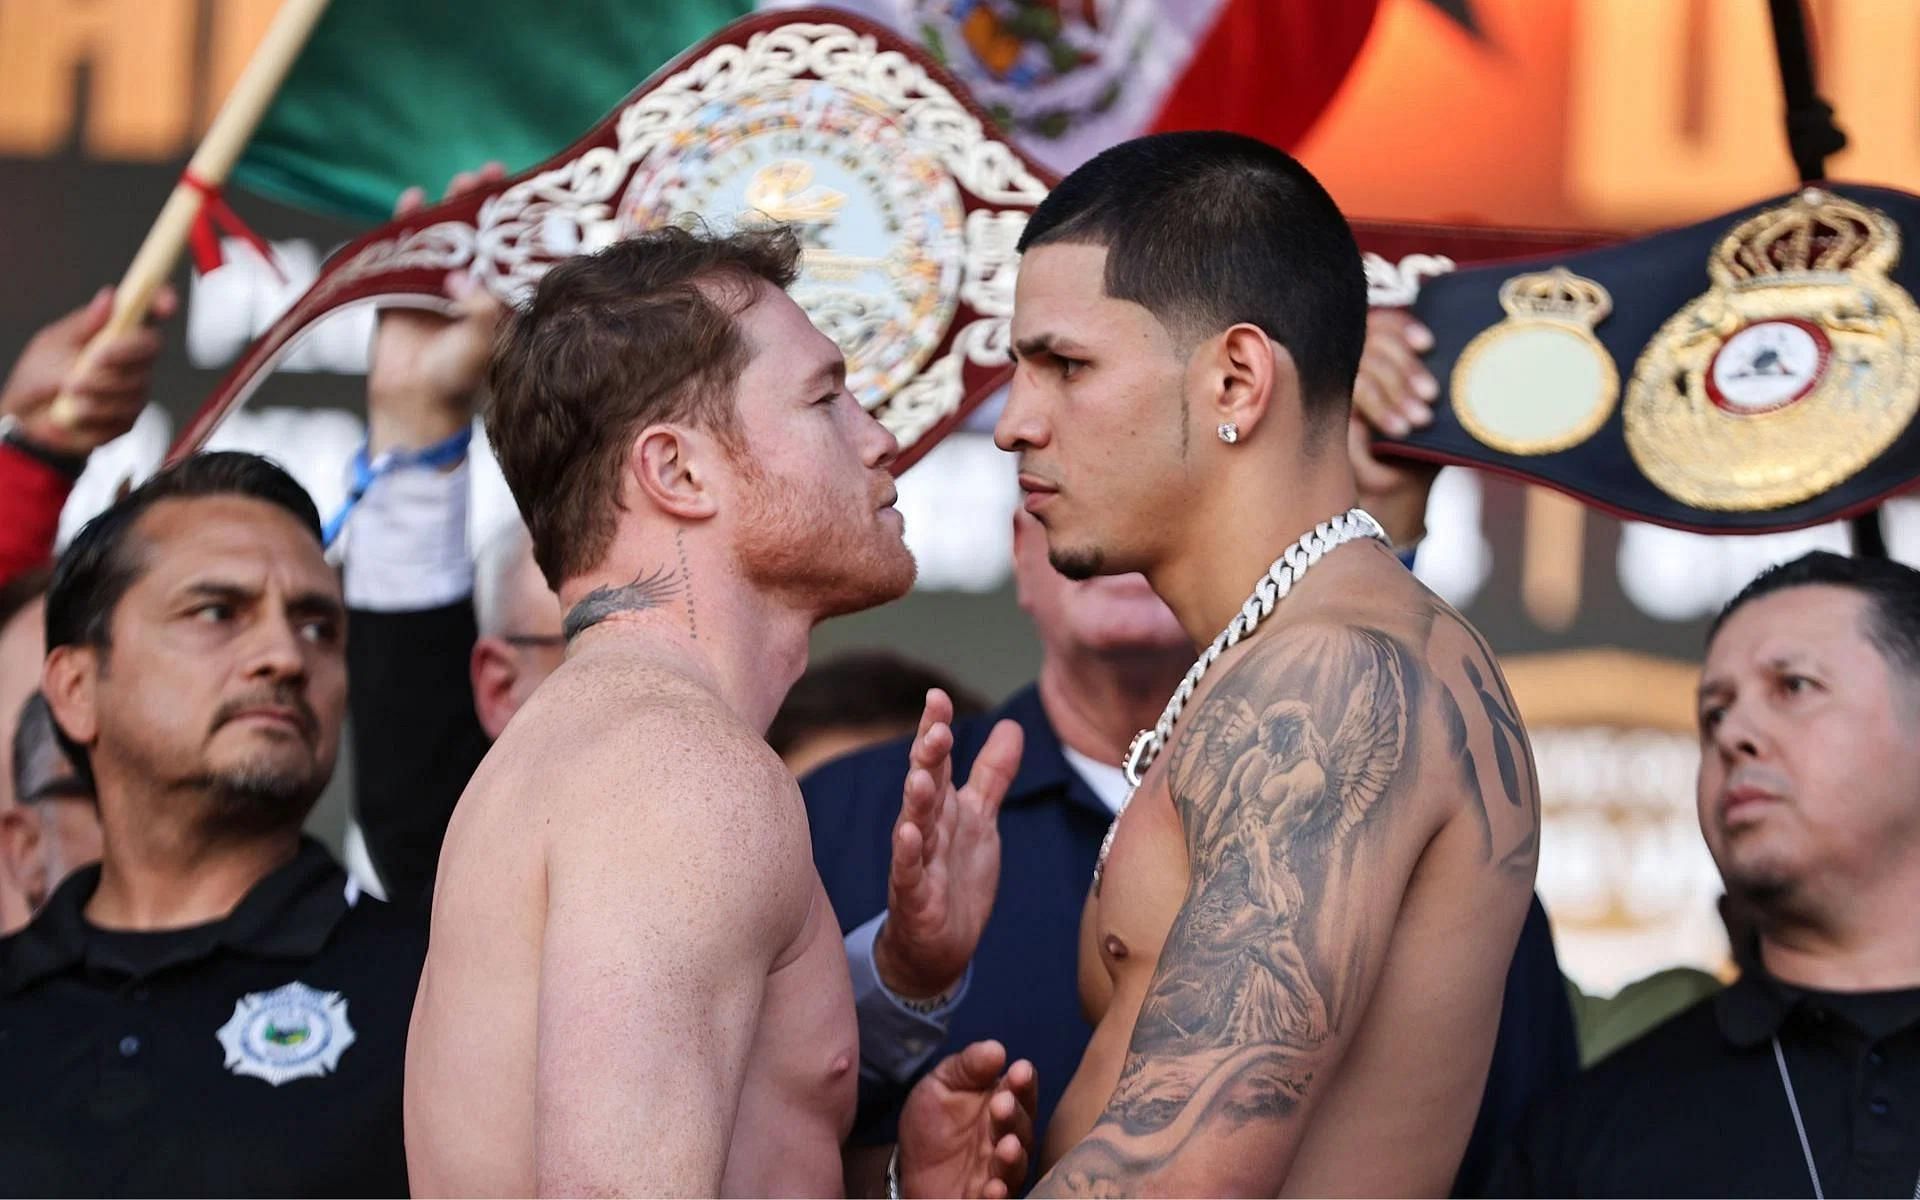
pixel 608 344
pixel 1892 593
pixel 104 560
pixel 1211 230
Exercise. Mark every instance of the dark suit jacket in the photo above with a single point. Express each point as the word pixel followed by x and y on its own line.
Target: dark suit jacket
pixel 1025 989
pixel 416 740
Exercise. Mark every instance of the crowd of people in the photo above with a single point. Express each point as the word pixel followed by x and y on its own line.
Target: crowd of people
pixel 649 906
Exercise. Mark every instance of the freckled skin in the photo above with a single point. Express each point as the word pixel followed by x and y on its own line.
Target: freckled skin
pixel 783 1007
pixel 636 983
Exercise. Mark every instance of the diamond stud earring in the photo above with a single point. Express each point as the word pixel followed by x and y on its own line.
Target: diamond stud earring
pixel 1229 432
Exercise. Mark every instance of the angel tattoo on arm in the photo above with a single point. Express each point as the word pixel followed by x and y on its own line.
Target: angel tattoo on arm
pixel 1281 771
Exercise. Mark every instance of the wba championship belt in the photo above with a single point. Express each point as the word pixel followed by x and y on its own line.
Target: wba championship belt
pixel 907 202
pixel 1752 373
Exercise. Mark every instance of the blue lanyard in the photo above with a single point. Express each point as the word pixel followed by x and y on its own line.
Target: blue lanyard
pixel 440 454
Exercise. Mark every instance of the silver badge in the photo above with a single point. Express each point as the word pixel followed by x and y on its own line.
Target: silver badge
pixel 292 1032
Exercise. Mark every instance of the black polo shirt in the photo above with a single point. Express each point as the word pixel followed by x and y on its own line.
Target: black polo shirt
pixel 1697 1108
pixel 259 1055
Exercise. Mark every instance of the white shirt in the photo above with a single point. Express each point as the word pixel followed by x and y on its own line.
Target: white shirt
pixel 406 542
pixel 1107 781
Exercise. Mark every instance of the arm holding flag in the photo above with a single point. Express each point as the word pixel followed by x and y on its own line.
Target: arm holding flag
pixel 198 189
pixel 41 459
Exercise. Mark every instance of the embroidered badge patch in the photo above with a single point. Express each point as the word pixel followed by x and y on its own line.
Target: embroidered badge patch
pixel 292 1032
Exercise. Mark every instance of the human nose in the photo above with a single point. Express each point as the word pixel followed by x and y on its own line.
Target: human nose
pixel 1738 736
pixel 882 448
pixel 276 649
pixel 1020 425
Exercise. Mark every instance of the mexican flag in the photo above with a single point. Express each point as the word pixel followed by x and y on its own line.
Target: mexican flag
pixel 390 93
pixel 1068 78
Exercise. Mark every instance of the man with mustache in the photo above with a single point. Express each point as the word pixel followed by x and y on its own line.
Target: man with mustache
pixel 213 1009
pixel 1803 1077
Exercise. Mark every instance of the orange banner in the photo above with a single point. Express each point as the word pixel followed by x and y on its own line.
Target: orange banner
pixel 1606 114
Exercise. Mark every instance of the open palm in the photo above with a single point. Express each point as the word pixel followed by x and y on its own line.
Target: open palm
pixel 946 855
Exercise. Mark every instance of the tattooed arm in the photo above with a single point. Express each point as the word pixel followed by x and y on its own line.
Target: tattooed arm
pixel 1293 780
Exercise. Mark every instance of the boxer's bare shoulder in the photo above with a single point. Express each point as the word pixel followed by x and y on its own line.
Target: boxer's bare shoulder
pixel 1353 780
pixel 624 874
pixel 609 726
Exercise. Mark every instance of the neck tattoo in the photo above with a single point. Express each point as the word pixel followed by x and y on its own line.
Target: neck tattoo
pixel 1272 588
pixel 644 593
pixel 686 580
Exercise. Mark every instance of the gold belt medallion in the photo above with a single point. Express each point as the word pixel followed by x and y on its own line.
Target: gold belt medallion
pixel 1539 381
pixel 1797 368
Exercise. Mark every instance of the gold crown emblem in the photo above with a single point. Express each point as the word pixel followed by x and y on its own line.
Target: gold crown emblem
pixel 1556 295
pixel 1815 233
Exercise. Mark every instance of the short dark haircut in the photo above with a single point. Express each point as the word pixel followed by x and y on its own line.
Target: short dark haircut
pixel 1210 230
pixel 1892 593
pixel 859 690
pixel 103 561
pixel 608 344
pixel 33 738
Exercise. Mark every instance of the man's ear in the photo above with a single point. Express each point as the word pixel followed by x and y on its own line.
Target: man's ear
pixel 69 679
pixel 1244 367
pixel 20 861
pixel 494 669
pixel 673 466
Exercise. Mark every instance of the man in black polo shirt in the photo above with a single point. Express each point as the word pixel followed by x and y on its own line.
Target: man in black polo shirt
pixel 213 1009
pixel 1803 1078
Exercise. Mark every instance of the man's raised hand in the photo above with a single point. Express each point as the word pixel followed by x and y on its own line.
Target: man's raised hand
pixel 1393 394
pixel 946 856
pixel 107 391
pixel 428 371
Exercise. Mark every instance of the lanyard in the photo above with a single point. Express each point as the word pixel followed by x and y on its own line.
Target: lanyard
pixel 365 473
pixel 1799 1126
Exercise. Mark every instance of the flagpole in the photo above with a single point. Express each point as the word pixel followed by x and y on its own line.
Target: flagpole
pixel 206 172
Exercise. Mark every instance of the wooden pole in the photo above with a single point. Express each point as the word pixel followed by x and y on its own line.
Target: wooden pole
pixel 232 128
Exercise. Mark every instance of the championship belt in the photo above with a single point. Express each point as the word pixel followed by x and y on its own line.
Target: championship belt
pixel 908 204
pixel 1752 373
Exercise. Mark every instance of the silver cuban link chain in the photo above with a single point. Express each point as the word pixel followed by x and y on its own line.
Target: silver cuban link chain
pixel 1351 525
